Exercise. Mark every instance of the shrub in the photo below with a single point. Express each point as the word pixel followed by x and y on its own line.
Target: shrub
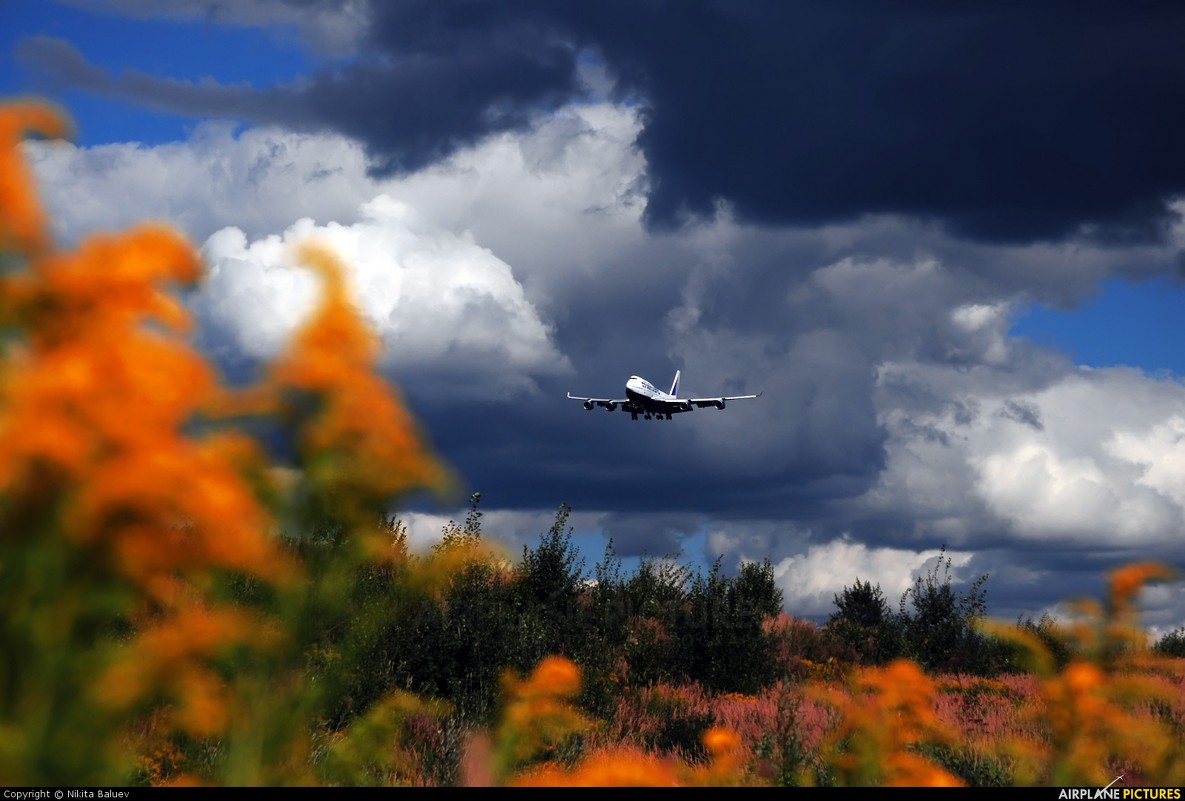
pixel 864 624
pixel 940 631
pixel 1172 644
pixel 723 641
pixel 1052 636
pixel 549 583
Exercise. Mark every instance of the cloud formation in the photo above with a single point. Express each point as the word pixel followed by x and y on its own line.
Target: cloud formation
pixel 334 28
pixel 965 466
pixel 811 580
pixel 439 302
pixel 899 412
pixel 1015 122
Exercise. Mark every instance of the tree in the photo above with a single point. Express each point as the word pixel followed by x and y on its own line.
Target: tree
pixel 549 582
pixel 940 633
pixel 722 638
pixel 1172 644
pixel 453 535
pixel 862 604
pixel 864 623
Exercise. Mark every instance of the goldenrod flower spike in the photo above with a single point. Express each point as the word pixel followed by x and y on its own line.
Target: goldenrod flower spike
pixel 1126 582
pixel 1088 713
pixel 539 713
pixel 623 767
pixel 22 220
pixel 887 713
pixel 360 445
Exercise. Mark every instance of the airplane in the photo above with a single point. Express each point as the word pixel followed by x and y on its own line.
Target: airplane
pixel 642 397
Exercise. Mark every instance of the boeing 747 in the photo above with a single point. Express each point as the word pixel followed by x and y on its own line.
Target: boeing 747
pixel 643 398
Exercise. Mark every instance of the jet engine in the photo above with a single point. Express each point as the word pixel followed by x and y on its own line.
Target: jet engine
pixel 720 404
pixel 610 407
pixel 588 405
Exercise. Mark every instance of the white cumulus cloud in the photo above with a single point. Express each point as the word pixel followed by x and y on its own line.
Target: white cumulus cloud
pixel 437 299
pixel 810 581
pixel 1085 457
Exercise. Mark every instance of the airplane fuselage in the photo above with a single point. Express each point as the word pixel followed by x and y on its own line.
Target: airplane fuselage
pixel 639 390
pixel 649 400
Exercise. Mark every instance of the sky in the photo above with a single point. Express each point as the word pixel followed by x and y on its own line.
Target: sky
pixel 945 241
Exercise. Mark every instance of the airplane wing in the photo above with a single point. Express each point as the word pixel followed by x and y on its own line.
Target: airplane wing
pixel 608 404
pixel 719 402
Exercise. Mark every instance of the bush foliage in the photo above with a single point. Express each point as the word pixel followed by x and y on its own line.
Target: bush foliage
pixel 935 624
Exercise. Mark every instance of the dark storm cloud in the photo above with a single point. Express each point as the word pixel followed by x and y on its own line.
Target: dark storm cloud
pixel 328 27
pixel 412 103
pixel 59 65
pixel 1005 121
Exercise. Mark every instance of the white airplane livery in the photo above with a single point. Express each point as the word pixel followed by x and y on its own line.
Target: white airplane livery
pixel 643 398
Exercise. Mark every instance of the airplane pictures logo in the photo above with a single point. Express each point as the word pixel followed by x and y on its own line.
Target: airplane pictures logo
pixel 1113 793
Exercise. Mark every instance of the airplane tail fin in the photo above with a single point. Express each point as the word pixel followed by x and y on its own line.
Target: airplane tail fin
pixel 675 385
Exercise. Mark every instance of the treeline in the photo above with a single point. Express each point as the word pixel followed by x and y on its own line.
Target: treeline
pixel 937 626
pixel 933 625
pixel 453 638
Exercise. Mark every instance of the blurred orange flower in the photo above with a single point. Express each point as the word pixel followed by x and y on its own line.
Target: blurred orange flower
pixel 124 494
pixel 23 228
pixel 884 715
pixel 361 446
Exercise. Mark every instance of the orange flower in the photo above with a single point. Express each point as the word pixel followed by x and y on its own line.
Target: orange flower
pixel 619 768
pixel 361 446
pixel 724 746
pixel 127 498
pixel 537 714
pixel 1087 714
pixel 22 225
pixel 719 740
pixel 104 476
pixel 1127 581
pixel 1083 678
pixel 170 656
pixel 555 675
pixel 886 713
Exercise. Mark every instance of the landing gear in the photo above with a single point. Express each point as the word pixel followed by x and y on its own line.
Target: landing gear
pixel 633 415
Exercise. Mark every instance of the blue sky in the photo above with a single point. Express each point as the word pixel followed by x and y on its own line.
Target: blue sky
pixel 185 50
pixel 1140 324
pixel 945 246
